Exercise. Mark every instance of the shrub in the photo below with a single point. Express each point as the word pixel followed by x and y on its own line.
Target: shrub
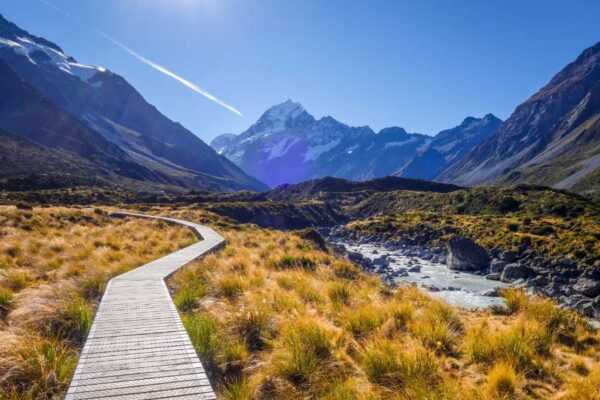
pixel 516 300
pixel 188 294
pixel 22 205
pixel 364 320
pixel 254 327
pixel 203 334
pixel 520 345
pixel 345 270
pixel 290 261
pixel 586 388
pixel 6 301
pixel 230 287
pixel 302 352
pixel 339 293
pixel 503 382
pixel 396 365
pixel 508 204
pixel 238 389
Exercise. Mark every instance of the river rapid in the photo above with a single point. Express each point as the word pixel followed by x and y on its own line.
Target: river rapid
pixel 463 289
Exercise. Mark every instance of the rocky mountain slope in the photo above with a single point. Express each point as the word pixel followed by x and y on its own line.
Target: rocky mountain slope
pixel 449 147
pixel 553 138
pixel 105 114
pixel 288 145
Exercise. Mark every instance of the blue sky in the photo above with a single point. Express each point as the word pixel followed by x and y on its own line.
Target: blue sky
pixel 423 65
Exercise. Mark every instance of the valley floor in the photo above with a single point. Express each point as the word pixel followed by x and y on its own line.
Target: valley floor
pixel 276 315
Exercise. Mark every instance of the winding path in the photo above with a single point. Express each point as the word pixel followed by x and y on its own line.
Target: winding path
pixel 137 347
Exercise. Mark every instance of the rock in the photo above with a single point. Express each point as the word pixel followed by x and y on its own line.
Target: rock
pixel 586 307
pixel 415 268
pixel 400 272
pixel 366 263
pixel 587 287
pixel 539 280
pixel 381 261
pixel 497 266
pixel 312 235
pixel 508 256
pixel 355 256
pixel 513 272
pixel 374 252
pixel 494 277
pixel 491 293
pixel 466 255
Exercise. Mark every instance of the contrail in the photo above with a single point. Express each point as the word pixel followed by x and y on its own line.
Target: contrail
pixel 159 68
pixel 171 74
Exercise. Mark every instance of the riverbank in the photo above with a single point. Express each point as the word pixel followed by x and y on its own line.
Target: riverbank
pixel 572 285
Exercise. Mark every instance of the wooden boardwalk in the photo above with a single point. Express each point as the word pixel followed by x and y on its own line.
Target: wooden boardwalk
pixel 137 347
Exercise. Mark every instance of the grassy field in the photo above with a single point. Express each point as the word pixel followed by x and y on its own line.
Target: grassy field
pixel 54 264
pixel 276 316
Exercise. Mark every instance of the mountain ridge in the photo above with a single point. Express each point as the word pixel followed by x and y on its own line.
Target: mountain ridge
pixel 552 138
pixel 288 145
pixel 107 104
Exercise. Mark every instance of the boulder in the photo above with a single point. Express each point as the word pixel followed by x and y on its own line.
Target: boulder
pixel 539 280
pixel 587 287
pixel 497 266
pixel 466 255
pixel 491 293
pixel 355 256
pixel 496 276
pixel 513 272
pixel 508 256
pixel 381 261
pixel 415 268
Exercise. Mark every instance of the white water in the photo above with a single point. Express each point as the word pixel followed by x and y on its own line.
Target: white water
pixel 459 288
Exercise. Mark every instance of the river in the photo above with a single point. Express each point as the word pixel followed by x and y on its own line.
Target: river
pixel 460 288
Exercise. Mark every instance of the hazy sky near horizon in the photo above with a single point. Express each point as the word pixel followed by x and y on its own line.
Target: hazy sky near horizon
pixel 424 64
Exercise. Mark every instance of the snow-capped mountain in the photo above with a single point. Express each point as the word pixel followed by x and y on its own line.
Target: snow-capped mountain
pixel 104 106
pixel 288 145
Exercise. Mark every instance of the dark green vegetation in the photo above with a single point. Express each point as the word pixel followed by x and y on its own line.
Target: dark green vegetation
pixel 327 188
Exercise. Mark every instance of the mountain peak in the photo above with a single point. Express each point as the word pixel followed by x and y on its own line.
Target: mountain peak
pixel 283 111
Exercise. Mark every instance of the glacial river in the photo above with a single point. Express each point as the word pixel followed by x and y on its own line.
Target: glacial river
pixel 459 288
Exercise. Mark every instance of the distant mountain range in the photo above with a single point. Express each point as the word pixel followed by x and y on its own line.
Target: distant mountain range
pixel 552 139
pixel 63 123
pixel 288 145
pixel 89 116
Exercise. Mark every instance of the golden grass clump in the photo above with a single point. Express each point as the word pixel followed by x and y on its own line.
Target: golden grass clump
pixel 503 382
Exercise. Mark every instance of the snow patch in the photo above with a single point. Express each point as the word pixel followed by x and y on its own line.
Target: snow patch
pixel 25 46
pixel 315 151
pixel 281 148
pixel 400 143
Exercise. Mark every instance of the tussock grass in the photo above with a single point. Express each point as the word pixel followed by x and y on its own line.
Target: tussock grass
pixel 314 326
pixel 54 265
pixel 503 382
